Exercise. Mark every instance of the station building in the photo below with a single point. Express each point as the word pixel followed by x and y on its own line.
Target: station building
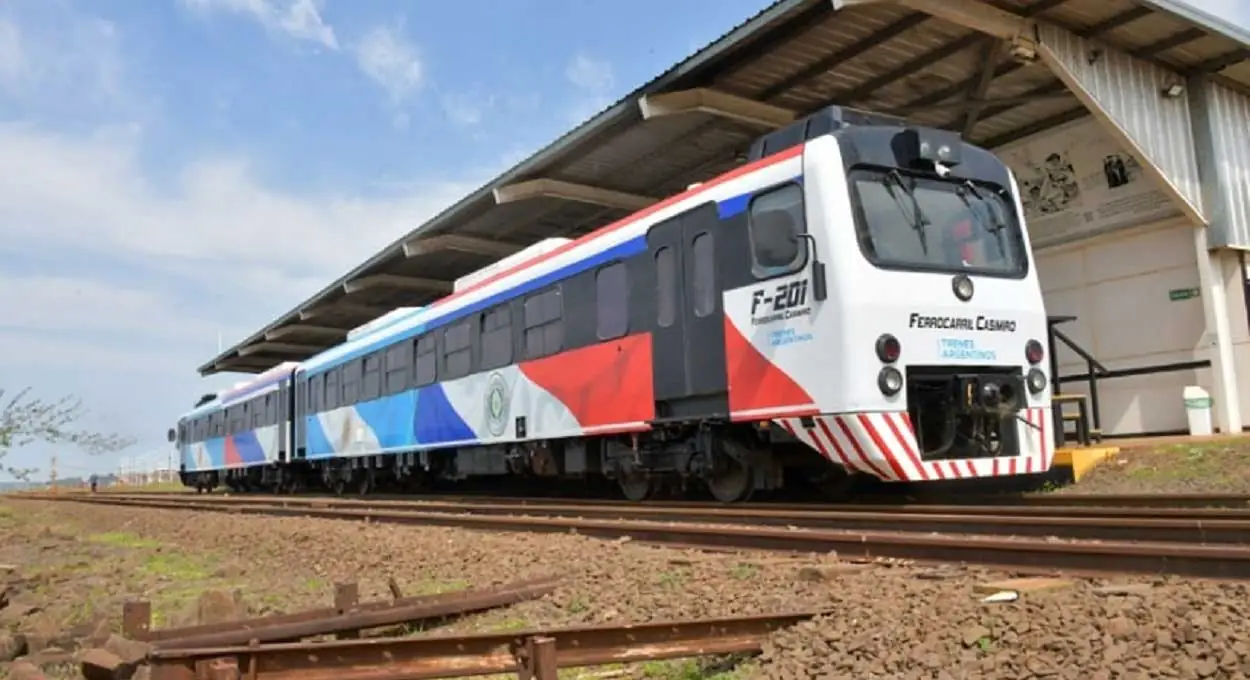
pixel 1126 122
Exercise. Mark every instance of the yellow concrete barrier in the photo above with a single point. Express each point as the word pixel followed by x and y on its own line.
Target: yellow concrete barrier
pixel 1083 459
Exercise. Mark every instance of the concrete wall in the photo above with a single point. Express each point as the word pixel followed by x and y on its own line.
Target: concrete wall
pixel 1118 286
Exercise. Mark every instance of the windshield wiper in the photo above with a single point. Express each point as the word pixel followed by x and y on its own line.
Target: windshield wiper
pixel 917 218
pixel 997 225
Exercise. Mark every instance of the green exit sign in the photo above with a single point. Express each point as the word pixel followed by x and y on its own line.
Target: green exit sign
pixel 1182 294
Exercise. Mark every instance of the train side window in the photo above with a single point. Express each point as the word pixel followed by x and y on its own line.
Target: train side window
pixel 371 382
pixel 331 390
pixel 497 337
pixel 703 274
pixel 612 301
pixel 776 223
pixel 427 360
pixel 544 327
pixel 316 393
pixel 398 362
pixel 665 286
pixel 349 379
pixel 458 350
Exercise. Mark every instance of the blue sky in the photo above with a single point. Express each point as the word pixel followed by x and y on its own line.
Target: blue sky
pixel 176 170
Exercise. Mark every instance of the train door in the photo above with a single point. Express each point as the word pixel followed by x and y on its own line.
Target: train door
pixel 689 347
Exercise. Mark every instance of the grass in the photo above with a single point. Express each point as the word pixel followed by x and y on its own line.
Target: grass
pixel 1211 466
pixel 122 539
pixel 698 669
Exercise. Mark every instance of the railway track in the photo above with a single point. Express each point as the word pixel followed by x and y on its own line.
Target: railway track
pixel 1041 500
pixel 1169 525
pixel 1079 541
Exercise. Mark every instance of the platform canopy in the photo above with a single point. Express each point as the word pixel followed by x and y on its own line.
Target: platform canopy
pixel 966 65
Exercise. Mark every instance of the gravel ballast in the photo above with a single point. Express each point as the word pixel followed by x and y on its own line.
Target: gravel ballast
pixel 888 620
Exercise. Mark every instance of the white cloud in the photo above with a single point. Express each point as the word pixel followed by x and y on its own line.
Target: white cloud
pixel 12 56
pixel 589 74
pixel 594 80
pixel 63 64
pixel 296 19
pixel 389 60
pixel 65 191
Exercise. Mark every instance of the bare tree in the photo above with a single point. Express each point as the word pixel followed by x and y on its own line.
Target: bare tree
pixel 25 420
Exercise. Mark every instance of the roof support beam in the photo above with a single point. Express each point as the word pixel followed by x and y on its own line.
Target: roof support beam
pixel 554 188
pixel 990 52
pixel 974 14
pixel 278 348
pixel 716 103
pixel 1047 94
pixel 423 245
pixel 245 364
pixel 397 282
pixel 342 308
pixel 305 329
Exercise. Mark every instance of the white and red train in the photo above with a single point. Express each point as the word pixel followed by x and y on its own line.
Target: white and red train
pixel 860 297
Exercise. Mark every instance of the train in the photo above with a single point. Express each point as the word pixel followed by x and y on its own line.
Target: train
pixel 857 298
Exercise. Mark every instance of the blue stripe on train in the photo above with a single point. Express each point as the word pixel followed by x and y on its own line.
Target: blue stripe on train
pixel 390 418
pixel 249 448
pixel 316 444
pixel 436 419
pixel 417 419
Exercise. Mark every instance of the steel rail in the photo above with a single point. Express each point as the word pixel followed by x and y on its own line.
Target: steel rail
pixel 1223 527
pixel 1033 554
pixel 1075 510
pixel 1195 501
pixel 539 651
pixel 288 627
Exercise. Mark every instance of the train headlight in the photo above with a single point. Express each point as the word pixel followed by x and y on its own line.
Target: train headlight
pixel 1036 380
pixel 962 287
pixel 1034 352
pixel 888 348
pixel 889 381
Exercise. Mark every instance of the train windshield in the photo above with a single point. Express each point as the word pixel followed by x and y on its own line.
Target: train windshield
pixel 941 225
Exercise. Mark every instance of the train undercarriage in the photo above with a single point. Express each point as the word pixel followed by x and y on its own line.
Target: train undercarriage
pixel 729 462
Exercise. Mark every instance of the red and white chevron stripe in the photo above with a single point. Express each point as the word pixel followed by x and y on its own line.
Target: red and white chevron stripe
pixel 884 445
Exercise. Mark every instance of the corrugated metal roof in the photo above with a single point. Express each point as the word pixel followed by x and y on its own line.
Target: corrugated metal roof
pixel 797 54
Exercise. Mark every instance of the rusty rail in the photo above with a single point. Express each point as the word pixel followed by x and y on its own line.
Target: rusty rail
pixel 1174 525
pixel 534 654
pixel 970 503
pixel 346 617
pixel 1025 554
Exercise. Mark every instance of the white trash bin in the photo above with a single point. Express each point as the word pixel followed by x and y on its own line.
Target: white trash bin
pixel 1198 410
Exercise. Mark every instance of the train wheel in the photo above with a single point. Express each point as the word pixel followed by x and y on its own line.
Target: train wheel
pixel 636 485
pixel 339 486
pixel 733 484
pixel 364 484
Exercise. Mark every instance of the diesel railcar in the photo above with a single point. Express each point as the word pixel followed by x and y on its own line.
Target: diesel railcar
pixel 858 298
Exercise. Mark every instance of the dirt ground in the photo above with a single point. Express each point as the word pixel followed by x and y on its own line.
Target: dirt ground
pixel 74 565
pixel 1221 466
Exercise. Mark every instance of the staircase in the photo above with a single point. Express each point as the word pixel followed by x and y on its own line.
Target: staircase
pixel 1076 415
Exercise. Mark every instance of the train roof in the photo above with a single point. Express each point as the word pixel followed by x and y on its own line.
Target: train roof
pixel 598 247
